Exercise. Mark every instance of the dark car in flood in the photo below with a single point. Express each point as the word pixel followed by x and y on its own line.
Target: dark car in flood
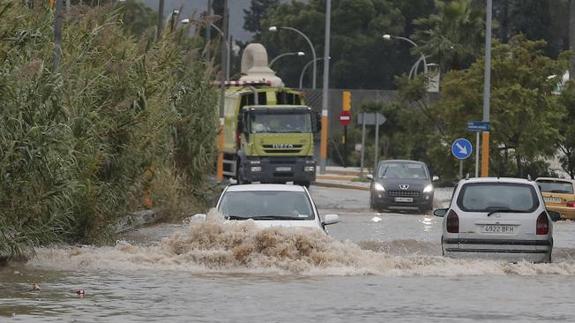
pixel 402 184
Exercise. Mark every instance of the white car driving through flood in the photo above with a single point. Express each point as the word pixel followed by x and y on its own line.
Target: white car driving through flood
pixel 502 218
pixel 270 205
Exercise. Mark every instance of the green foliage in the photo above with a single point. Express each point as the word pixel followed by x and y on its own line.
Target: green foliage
pixel 253 16
pixel 453 35
pixel 566 142
pixel 78 147
pixel 523 111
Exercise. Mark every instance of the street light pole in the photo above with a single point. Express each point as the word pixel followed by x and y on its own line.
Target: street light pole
pixel 305 67
pixel 313 53
pixel 325 92
pixel 422 57
pixel 486 89
pixel 284 55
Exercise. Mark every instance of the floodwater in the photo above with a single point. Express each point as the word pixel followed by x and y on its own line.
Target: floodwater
pixel 372 268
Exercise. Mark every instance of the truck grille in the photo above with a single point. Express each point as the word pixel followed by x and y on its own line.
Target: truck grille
pixel 402 193
pixel 282 149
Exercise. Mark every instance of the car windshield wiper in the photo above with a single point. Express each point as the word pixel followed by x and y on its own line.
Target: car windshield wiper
pixel 504 211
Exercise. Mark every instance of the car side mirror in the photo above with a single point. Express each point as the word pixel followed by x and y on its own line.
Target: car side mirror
pixel 200 217
pixel 369 176
pixel 555 216
pixel 330 219
pixel 440 212
pixel 435 178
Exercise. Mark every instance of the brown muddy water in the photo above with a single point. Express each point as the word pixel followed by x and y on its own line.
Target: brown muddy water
pixel 365 271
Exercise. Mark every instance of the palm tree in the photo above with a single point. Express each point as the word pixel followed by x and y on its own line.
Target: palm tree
pixel 453 35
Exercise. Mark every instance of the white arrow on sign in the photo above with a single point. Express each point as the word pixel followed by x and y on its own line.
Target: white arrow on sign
pixel 462 149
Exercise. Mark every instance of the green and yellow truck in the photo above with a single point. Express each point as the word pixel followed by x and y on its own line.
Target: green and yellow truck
pixel 268 130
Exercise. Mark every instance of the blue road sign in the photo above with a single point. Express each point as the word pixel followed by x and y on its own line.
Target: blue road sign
pixel 461 148
pixel 478 126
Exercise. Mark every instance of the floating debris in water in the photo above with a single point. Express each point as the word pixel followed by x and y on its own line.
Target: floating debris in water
pixel 35 286
pixel 376 219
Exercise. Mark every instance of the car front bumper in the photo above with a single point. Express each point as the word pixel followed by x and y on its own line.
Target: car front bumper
pixel 507 249
pixel 382 200
pixel 280 169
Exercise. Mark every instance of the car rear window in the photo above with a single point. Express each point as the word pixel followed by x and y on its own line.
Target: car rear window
pixel 486 197
pixel 555 187
pixel 249 204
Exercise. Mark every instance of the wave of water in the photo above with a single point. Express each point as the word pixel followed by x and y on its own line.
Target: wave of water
pixel 214 247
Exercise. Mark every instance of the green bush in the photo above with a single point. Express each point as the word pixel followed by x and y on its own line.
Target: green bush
pixel 79 145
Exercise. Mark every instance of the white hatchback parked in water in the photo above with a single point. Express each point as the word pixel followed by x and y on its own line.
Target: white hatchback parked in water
pixel 498 218
pixel 270 205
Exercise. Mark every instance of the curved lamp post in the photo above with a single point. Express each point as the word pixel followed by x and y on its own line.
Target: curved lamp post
pixel 421 58
pixel 284 55
pixel 305 67
pixel 276 28
pixel 227 41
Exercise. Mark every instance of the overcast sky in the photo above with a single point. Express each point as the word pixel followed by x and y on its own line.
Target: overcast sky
pixel 189 6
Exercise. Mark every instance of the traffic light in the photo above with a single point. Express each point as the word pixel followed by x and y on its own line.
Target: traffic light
pixel 346 101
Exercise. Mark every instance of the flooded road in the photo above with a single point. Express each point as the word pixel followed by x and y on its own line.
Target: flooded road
pixel 375 267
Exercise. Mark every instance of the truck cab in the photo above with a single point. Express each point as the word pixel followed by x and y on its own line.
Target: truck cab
pixel 268 136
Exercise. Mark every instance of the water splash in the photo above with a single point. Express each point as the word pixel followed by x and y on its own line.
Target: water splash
pixel 215 247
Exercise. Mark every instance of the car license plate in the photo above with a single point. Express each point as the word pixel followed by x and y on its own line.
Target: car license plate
pixel 552 199
pixel 404 199
pixel 283 169
pixel 498 228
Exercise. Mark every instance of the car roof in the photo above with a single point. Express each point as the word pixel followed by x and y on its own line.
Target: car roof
pixel 265 187
pixel 555 179
pixel 513 180
pixel 401 161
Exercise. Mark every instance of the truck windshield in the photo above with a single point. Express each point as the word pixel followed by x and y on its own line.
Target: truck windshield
pixel 280 122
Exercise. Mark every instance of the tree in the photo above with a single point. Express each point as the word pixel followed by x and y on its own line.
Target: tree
pixel 253 16
pixel 524 113
pixel 453 35
pixel 360 58
pixel 566 142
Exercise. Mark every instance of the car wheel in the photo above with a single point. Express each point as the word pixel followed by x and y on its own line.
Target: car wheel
pixel 548 259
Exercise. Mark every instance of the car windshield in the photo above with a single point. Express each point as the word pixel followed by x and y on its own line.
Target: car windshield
pixel 402 171
pixel 555 187
pixel 488 197
pixel 271 204
pixel 264 122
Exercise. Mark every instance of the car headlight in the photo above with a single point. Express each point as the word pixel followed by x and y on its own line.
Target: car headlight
pixel 428 189
pixel 379 187
pixel 256 169
pixel 309 168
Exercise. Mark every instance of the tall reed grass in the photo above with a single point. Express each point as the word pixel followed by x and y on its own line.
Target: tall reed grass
pixel 81 144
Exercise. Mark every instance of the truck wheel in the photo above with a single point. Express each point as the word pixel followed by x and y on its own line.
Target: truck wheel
pixel 240 176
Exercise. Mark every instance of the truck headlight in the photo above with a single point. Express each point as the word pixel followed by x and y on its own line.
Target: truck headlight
pixel 379 187
pixel 309 168
pixel 256 169
pixel 255 162
pixel 428 189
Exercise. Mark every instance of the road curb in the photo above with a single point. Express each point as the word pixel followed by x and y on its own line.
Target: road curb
pixel 338 185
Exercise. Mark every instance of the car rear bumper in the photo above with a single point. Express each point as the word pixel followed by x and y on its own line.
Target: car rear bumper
pixel 566 212
pixel 511 250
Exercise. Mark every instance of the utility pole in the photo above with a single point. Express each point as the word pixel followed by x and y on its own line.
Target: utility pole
pixel 160 19
pixel 57 35
pixel 325 92
pixel 487 89
pixel 208 29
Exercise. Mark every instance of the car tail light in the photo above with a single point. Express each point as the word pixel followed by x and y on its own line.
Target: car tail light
pixel 571 204
pixel 452 222
pixel 542 224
